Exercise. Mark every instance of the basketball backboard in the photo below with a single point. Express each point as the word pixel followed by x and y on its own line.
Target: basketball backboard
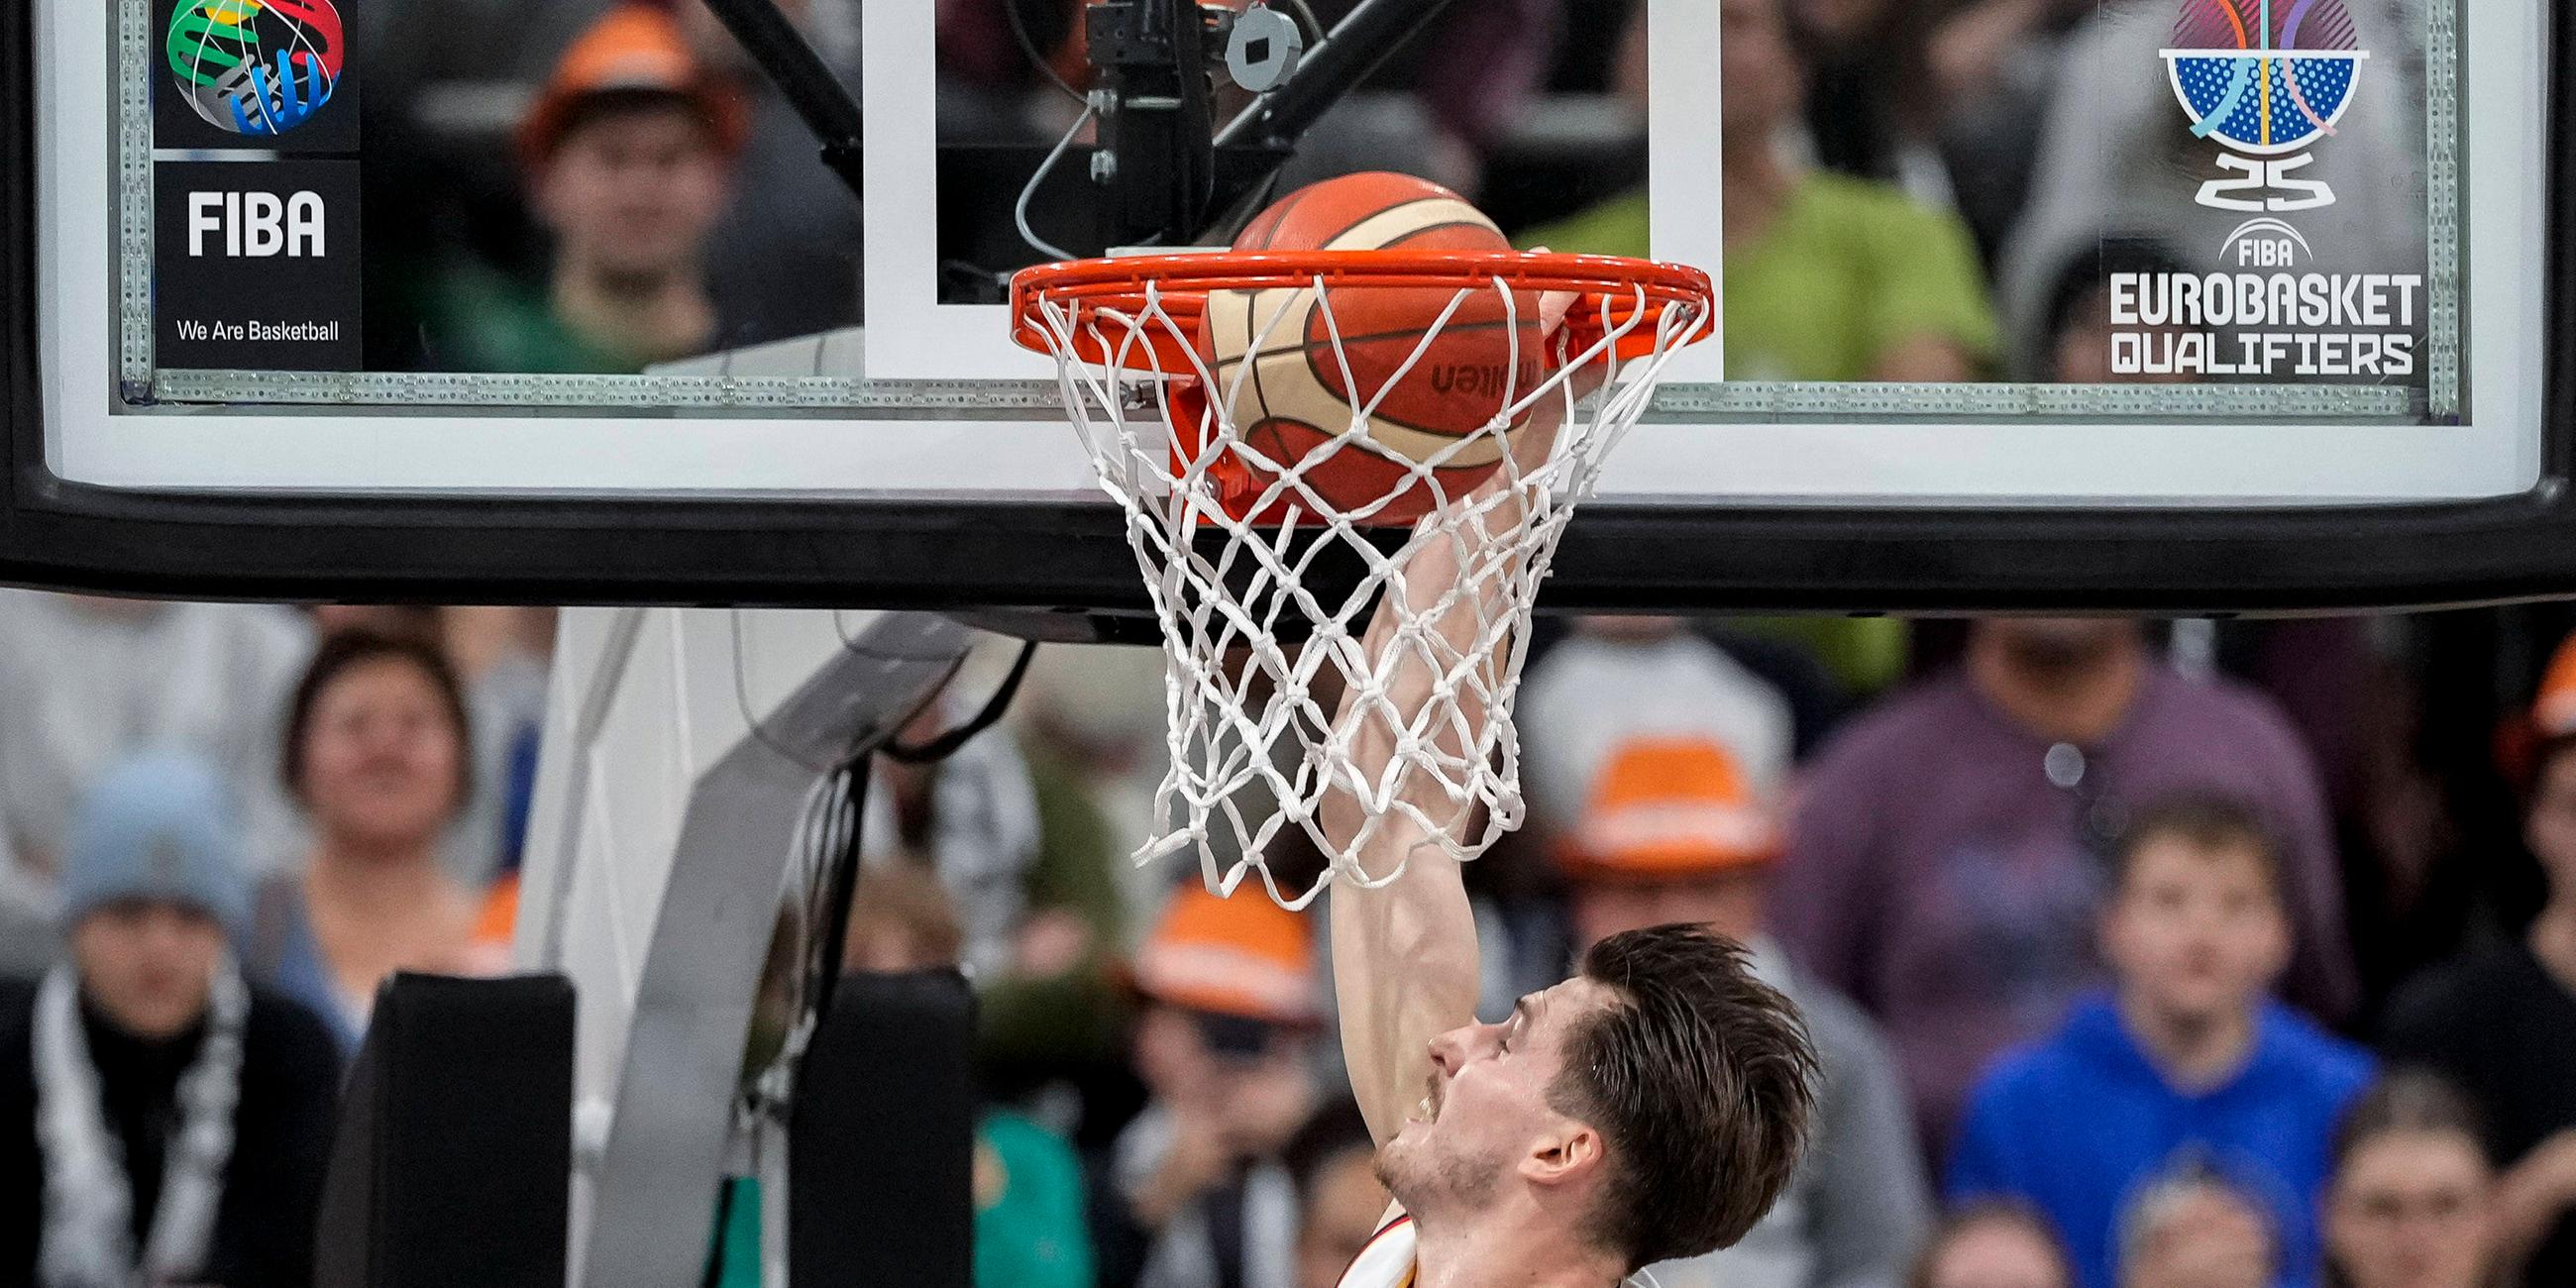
pixel 2230 304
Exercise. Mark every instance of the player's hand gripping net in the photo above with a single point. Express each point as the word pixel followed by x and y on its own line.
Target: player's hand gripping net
pixel 1264 571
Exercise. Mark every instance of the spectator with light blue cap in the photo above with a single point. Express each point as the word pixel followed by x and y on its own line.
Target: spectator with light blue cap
pixel 161 1121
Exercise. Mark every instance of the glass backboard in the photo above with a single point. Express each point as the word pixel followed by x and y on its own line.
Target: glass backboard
pixel 2139 301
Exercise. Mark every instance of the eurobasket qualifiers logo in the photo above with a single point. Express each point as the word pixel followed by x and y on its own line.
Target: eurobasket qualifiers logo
pixel 256 67
pixel 2267 79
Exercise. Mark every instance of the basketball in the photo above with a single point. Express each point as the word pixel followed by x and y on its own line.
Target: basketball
pixel 1272 352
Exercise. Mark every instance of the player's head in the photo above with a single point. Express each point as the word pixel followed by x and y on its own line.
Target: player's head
pixel 1652 1106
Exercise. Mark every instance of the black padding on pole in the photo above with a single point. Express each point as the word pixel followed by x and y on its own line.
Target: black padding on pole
pixel 453 1162
pixel 880 1144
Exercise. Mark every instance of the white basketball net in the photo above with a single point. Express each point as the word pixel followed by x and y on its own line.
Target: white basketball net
pixel 1261 650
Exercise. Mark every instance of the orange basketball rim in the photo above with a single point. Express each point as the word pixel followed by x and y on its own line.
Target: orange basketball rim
pixel 1628 298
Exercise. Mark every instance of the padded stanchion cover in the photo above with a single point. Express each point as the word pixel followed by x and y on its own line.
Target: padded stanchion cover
pixel 453 1162
pixel 881 1140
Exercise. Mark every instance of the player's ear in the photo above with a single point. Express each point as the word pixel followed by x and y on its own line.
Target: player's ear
pixel 1568 1151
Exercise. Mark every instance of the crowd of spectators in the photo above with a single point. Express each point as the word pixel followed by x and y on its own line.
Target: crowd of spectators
pixel 2136 955
pixel 2065 907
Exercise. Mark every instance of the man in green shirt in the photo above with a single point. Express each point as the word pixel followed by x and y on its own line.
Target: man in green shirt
pixel 1826 278
pixel 628 154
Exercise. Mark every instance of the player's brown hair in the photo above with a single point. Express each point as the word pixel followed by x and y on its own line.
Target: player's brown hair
pixel 1699 1080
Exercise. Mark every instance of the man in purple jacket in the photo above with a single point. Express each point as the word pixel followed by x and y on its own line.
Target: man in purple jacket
pixel 1950 849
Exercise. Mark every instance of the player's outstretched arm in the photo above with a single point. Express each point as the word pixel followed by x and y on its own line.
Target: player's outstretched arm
pixel 1405 962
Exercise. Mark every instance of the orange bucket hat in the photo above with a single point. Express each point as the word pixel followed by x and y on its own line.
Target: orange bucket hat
pixel 1248 958
pixel 635 48
pixel 1667 807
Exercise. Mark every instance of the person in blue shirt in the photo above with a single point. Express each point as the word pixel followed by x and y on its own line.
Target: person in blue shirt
pixel 2187 1061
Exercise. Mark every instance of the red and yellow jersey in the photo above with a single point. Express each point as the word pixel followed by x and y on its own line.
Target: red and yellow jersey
pixel 1387 1261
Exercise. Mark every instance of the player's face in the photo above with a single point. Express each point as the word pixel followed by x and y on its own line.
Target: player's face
pixel 2196 932
pixel 1485 1108
pixel 633 194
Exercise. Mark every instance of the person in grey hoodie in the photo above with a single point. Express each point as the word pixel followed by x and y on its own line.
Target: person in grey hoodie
pixel 1654 764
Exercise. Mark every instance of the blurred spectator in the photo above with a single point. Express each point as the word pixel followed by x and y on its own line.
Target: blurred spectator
pixel 1679 757
pixel 1826 277
pixel 784 260
pixel 1052 1025
pixel 85 681
pixel 1620 678
pixel 1095 714
pixel 1946 859
pixel 170 1122
pixel 1610 682
pixel 501 656
pixel 2502 1024
pixel 973 816
pixel 2186 1065
pixel 1199 1192
pixel 1029 1209
pixel 2412 1201
pixel 1872 102
pixel 1477 69
pixel 1340 1202
pixel 2195 1229
pixel 375 751
pixel 1992 66
pixel 2118 158
pixel 394 621
pixel 627 153
pixel 2079 311
pixel 1994 1243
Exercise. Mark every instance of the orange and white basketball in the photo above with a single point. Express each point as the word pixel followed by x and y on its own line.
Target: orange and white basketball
pixel 1273 352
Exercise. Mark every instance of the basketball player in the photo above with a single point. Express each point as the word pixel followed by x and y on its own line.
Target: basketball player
pixel 1649 1108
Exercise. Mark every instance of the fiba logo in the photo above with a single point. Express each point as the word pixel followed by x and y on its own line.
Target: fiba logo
pixel 256 67
pixel 2266 79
